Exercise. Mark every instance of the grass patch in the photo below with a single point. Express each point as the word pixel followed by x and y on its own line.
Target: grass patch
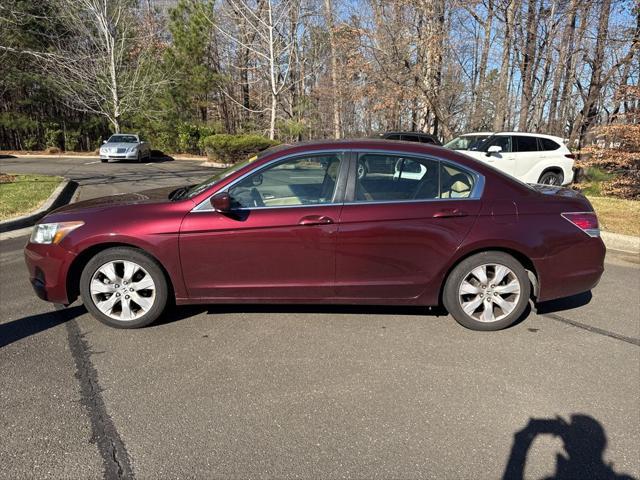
pixel 21 194
pixel 594 177
pixel 617 215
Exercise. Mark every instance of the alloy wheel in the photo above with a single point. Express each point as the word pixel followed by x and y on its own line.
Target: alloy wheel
pixel 122 290
pixel 489 292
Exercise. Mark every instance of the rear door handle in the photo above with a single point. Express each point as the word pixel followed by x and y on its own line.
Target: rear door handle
pixel 315 220
pixel 450 212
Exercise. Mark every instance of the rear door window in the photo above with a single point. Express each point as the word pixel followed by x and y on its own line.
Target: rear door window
pixel 525 144
pixel 408 178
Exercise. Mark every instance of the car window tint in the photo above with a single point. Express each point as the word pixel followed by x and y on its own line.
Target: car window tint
pixel 394 177
pixel 526 144
pixel 455 182
pixel 502 141
pixel 392 137
pixel 425 139
pixel 548 144
pixel 299 181
pixel 410 138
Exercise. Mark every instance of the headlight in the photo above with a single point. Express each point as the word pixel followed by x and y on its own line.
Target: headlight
pixel 48 233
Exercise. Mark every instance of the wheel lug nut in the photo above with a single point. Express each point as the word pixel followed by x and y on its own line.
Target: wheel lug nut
pixel 117 286
pixel 495 294
pixel 493 286
pixel 124 283
pixel 127 297
pixel 131 289
pixel 484 286
pixel 117 294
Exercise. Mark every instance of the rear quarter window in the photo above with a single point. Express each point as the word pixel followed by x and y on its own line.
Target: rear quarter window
pixel 548 144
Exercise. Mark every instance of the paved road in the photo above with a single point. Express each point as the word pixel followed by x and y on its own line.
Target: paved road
pixel 311 392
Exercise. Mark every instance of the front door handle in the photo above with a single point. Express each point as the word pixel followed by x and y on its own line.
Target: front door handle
pixel 315 220
pixel 450 212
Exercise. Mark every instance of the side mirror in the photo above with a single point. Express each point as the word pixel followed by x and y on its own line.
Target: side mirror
pixel 104 141
pixel 221 202
pixel 494 149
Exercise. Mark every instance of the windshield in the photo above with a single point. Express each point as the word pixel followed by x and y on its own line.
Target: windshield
pixel 466 142
pixel 123 139
pixel 209 182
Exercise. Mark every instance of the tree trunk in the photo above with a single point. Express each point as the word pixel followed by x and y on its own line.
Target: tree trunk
pixel 528 61
pixel 564 58
pixel 589 110
pixel 503 80
pixel 477 116
pixel 334 68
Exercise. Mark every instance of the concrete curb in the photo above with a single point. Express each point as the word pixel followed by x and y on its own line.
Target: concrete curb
pixel 92 157
pixel 60 196
pixel 216 164
pixel 623 243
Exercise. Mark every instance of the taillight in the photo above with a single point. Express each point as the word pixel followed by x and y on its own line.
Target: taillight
pixel 585 221
pixel 570 155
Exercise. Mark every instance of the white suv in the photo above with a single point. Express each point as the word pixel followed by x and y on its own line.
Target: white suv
pixel 530 157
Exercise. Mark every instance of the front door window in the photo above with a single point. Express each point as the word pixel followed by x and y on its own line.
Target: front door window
pixel 294 182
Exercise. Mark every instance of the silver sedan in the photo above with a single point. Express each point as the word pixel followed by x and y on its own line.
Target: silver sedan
pixel 122 146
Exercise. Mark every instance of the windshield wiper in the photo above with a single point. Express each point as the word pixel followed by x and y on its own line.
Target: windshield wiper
pixel 179 193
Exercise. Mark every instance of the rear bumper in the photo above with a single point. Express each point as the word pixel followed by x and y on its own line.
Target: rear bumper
pixel 48 266
pixel 573 270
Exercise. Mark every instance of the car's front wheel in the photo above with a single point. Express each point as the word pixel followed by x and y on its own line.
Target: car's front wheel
pixel 124 288
pixel 487 291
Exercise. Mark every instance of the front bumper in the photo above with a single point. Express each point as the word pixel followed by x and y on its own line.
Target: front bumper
pixel 48 267
pixel 119 156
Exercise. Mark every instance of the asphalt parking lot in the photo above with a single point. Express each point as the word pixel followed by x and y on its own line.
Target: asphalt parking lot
pixel 312 392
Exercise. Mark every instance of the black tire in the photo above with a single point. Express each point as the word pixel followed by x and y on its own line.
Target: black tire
pixel 551 178
pixel 451 300
pixel 143 260
pixel 103 160
pixel 139 159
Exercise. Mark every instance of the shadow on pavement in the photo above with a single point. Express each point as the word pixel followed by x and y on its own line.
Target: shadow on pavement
pixel 3 155
pixel 25 327
pixel 566 303
pixel 177 313
pixel 584 441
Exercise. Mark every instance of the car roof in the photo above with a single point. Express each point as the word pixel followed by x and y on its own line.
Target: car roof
pixel 401 132
pixel 475 134
pixel 528 134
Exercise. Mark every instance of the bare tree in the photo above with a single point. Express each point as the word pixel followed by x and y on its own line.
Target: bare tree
pixel 102 64
pixel 268 25
pixel 328 7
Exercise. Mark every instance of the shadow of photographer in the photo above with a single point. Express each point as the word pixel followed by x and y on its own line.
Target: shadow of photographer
pixel 584 440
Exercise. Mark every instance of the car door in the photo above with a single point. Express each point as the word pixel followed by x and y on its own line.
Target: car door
pixel 278 242
pixel 503 160
pixel 526 154
pixel 397 233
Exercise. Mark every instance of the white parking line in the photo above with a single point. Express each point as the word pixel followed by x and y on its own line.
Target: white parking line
pixel 91 163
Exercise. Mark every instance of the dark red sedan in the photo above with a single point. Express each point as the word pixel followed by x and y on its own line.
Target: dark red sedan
pixel 299 225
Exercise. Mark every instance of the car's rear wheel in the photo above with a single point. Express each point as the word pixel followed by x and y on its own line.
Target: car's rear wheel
pixel 551 178
pixel 103 160
pixel 124 288
pixel 487 291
